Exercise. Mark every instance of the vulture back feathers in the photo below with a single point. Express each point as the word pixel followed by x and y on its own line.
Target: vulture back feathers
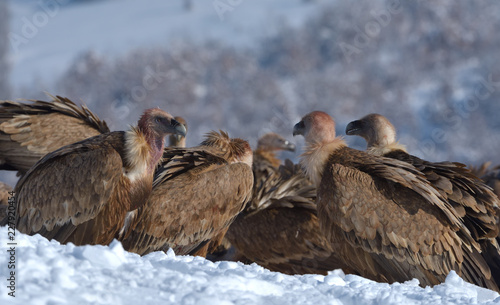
pixel 81 192
pixel 30 131
pixel 197 193
pixel 390 210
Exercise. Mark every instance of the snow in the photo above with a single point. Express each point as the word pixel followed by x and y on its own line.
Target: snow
pixel 50 273
pixel 48 36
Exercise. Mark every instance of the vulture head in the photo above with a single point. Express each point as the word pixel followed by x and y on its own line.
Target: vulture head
pixel 178 140
pixel 156 124
pixel 273 141
pixel 374 128
pixel 233 150
pixel 242 152
pixel 317 127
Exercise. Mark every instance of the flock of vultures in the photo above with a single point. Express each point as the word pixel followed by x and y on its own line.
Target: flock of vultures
pixel 382 213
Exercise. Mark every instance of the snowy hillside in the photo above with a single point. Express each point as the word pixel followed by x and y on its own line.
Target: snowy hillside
pixel 428 67
pixel 50 273
pixel 116 27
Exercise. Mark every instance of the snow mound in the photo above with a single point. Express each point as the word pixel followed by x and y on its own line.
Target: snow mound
pixel 50 273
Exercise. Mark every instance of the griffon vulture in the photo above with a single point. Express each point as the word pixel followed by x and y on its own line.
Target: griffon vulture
pixel 473 200
pixel 30 131
pixel 388 209
pixel 81 192
pixel 178 140
pixel 265 165
pixel 197 193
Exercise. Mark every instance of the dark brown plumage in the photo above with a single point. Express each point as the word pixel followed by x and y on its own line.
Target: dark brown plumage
pixel 81 192
pixel 388 209
pixel 197 193
pixel 28 131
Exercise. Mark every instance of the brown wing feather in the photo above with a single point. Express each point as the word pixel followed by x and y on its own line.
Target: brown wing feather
pixel 29 131
pixel 470 197
pixel 403 232
pixel 285 240
pixel 286 186
pixel 189 207
pixel 50 204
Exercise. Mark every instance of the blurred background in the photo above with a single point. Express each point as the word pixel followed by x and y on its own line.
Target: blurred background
pixel 255 66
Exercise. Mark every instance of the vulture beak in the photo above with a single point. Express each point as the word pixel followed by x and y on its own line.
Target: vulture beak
pixel 177 128
pixel 289 146
pixel 353 128
pixel 298 129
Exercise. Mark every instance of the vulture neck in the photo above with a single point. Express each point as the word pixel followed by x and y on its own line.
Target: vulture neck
pixel 269 156
pixel 383 149
pixel 143 152
pixel 173 142
pixel 315 156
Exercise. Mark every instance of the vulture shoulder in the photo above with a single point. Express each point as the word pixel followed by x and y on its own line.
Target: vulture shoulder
pixel 473 200
pixel 196 196
pixel 64 174
pixel 29 131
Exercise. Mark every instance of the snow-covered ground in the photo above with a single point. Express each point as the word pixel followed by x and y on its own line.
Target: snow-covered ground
pixel 47 36
pixel 50 273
